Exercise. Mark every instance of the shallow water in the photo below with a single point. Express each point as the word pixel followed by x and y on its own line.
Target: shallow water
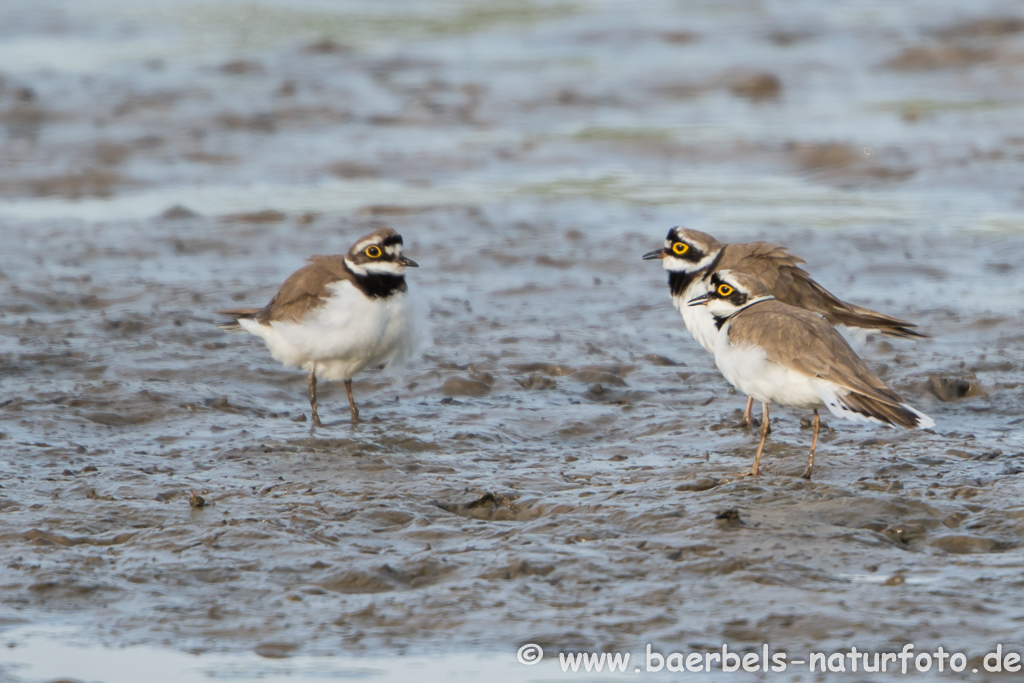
pixel 529 153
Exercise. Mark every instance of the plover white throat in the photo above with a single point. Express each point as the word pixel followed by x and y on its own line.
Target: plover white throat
pixel 777 353
pixel 691 256
pixel 340 314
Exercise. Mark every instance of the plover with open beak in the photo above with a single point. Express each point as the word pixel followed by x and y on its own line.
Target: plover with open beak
pixel 777 353
pixel 691 256
pixel 340 314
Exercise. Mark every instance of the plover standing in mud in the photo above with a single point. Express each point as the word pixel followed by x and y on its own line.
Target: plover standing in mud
pixel 777 353
pixel 340 314
pixel 691 256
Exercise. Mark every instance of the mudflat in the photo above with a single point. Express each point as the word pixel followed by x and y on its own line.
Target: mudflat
pixel 558 469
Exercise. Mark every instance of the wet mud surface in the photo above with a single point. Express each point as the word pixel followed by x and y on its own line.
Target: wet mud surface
pixel 558 468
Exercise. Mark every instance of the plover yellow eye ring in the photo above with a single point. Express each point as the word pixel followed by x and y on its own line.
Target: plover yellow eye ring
pixel 373 251
pixel 680 248
pixel 724 290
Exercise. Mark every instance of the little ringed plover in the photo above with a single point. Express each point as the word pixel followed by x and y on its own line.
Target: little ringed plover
pixel 777 353
pixel 340 314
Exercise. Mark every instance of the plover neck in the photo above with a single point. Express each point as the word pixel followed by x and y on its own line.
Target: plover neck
pixel 374 284
pixel 722 319
pixel 680 281
pixel 378 285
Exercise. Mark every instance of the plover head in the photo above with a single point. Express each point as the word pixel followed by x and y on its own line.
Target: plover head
pixel 686 251
pixel 379 253
pixel 731 292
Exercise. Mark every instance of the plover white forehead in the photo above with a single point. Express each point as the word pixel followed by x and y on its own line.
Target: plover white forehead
pixel 777 353
pixel 691 256
pixel 340 314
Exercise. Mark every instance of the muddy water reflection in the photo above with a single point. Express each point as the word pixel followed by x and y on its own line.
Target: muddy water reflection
pixel 552 471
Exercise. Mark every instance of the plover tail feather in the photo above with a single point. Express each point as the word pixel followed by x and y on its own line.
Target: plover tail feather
pixel 923 421
pixel 858 316
pixel 859 407
pixel 237 314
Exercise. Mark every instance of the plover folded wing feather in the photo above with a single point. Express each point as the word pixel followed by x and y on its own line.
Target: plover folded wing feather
pixel 781 273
